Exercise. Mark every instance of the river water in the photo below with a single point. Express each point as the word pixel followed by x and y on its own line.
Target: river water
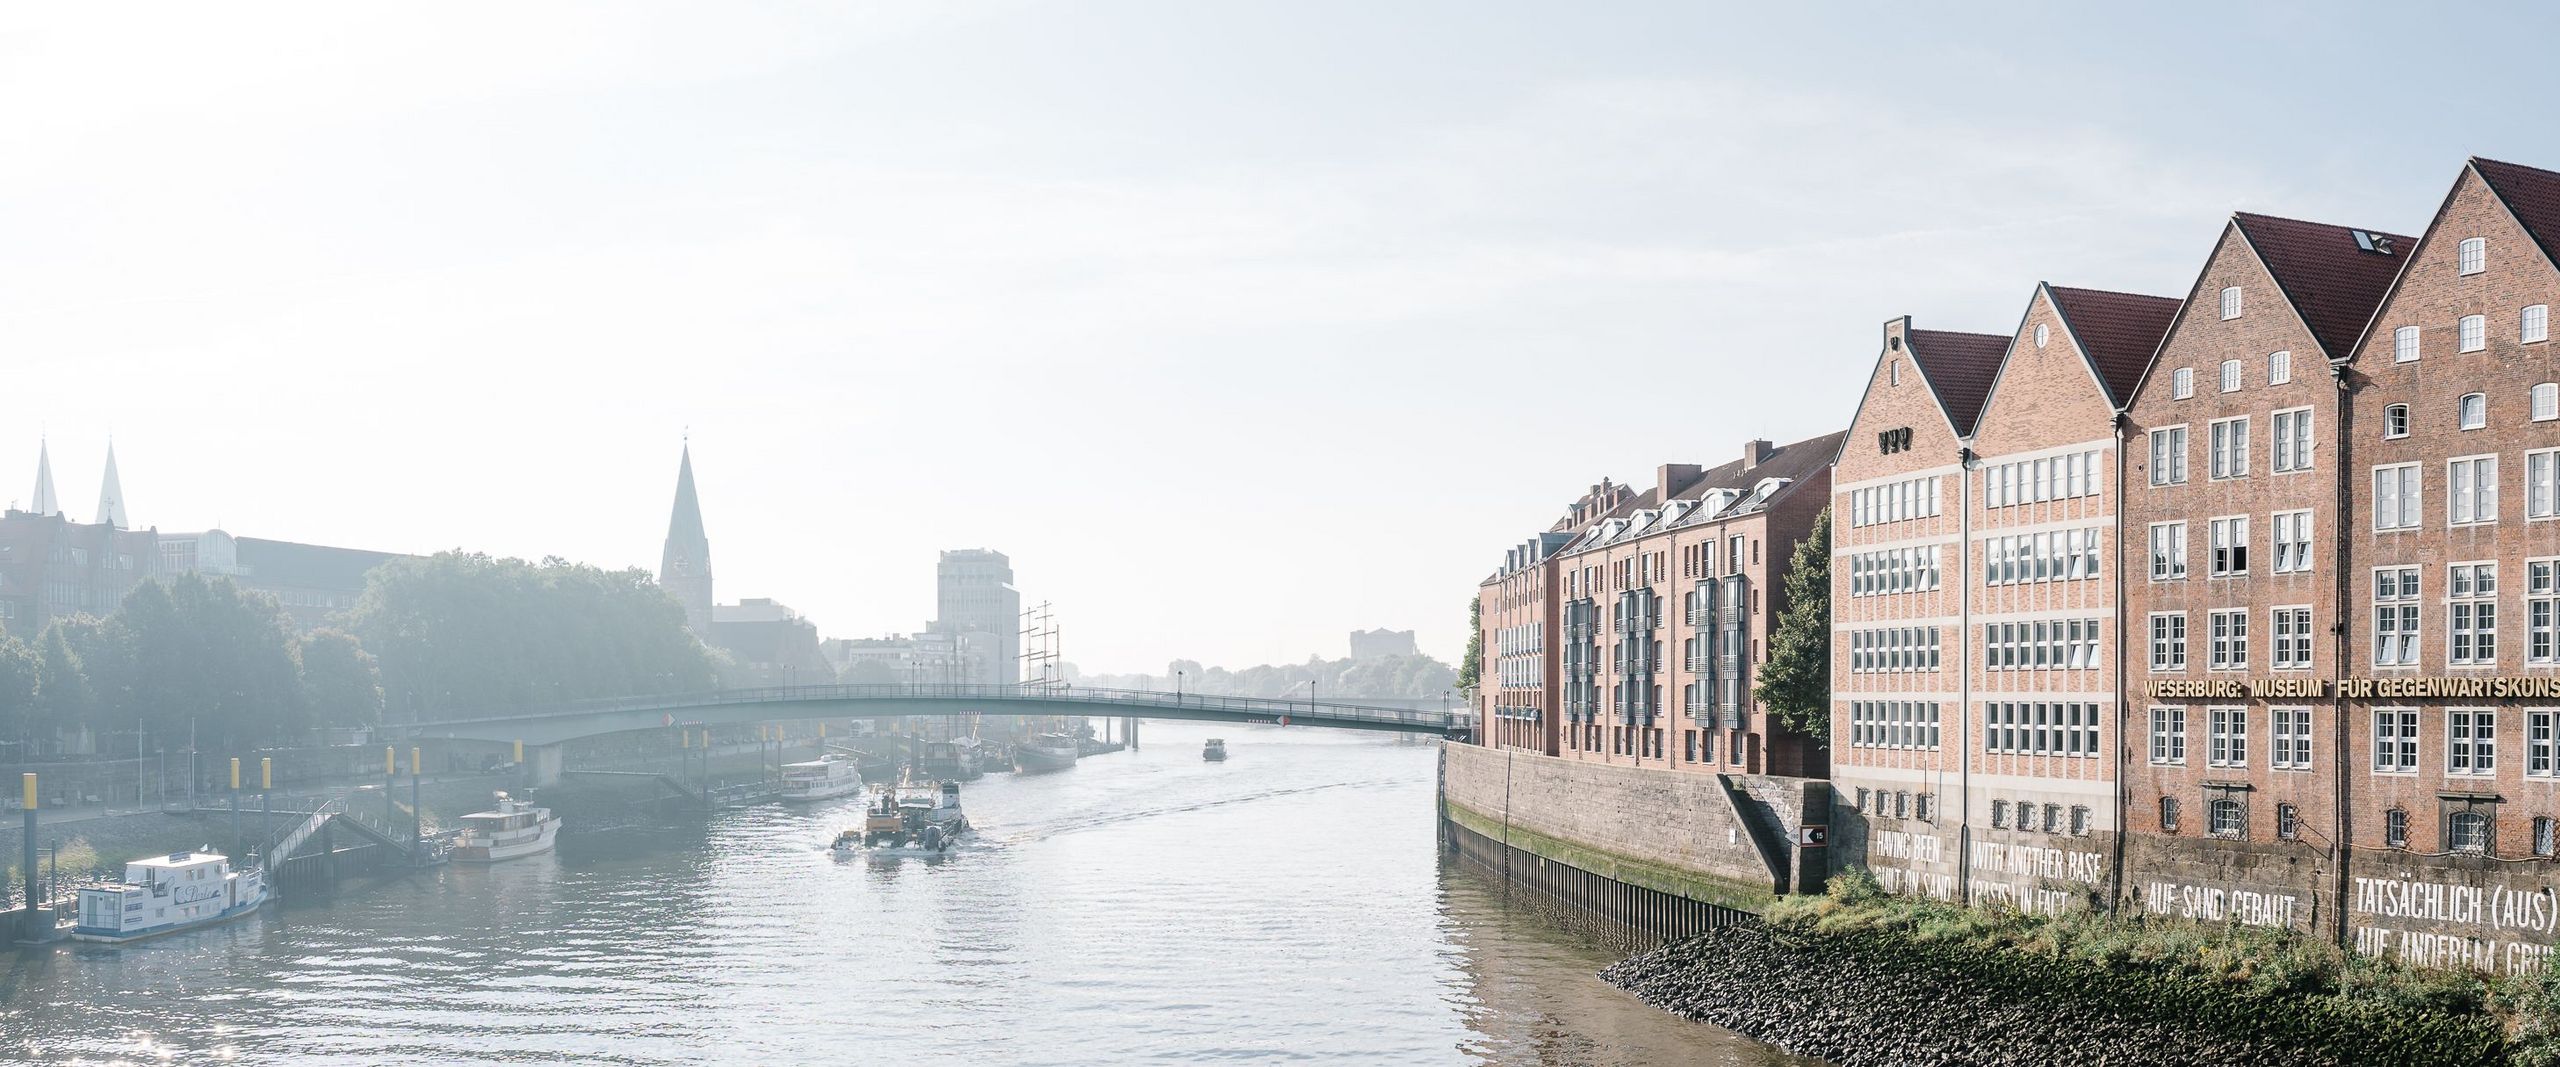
pixel 1287 905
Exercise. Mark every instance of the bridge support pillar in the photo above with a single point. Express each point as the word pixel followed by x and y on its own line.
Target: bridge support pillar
pixel 541 765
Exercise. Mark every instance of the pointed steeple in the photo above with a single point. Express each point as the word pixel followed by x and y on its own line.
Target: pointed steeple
pixel 684 571
pixel 111 495
pixel 45 503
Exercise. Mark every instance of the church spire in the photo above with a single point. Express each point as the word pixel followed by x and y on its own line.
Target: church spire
pixel 44 503
pixel 685 569
pixel 111 495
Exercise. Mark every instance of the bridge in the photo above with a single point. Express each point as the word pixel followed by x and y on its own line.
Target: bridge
pixel 543 729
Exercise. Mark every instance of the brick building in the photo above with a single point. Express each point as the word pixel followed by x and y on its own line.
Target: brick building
pixel 1518 614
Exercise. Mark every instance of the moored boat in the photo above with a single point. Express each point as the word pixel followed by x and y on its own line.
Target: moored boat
pixel 832 775
pixel 1215 751
pixel 1046 752
pixel 515 829
pixel 166 894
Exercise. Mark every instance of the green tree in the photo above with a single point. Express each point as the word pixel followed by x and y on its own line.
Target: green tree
pixel 19 668
pixel 1795 683
pixel 203 655
pixel 64 698
pixel 1471 669
pixel 340 680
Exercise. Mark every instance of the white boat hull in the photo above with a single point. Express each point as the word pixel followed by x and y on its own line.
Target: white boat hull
pixel 530 844
pixel 126 937
pixel 803 794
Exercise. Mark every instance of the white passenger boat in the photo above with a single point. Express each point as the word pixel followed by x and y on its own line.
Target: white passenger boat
pixel 832 775
pixel 166 894
pixel 516 829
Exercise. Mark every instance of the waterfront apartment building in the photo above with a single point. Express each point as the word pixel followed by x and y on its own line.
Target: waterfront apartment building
pixel 1665 614
pixel 1517 619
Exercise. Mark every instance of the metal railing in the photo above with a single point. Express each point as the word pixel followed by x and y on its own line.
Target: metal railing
pixel 1312 711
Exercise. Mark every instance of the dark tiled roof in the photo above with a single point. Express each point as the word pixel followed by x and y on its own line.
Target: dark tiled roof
pixel 2533 194
pixel 1794 462
pixel 2118 331
pixel 2332 281
pixel 272 563
pixel 1960 367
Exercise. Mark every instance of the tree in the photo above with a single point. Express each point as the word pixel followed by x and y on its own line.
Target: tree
pixel 64 698
pixel 19 668
pixel 340 680
pixel 1471 669
pixel 193 653
pixel 1795 683
pixel 869 672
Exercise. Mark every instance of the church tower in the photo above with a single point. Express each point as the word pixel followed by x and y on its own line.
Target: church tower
pixel 111 495
pixel 45 503
pixel 685 570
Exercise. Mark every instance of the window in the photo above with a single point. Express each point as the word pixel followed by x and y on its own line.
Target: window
pixel 2230 545
pixel 2227 639
pixel 2168 641
pixel 2040 728
pixel 2395 616
pixel 2079 820
pixel 2471 741
pixel 2228 741
pixel 2231 302
pixel 1886 724
pixel 2293 440
pixel 2466 831
pixel 2543 837
pixel 2395 421
pixel 2293 639
pixel 2292 541
pixel 2541 604
pixel 2395 828
pixel 2472 490
pixel 2290 733
pixel 2230 451
pixel 2396 497
pixel 2169 456
pixel 1999 814
pixel 2279 368
pixel 2546 402
pixel 2169 815
pixel 2288 822
pixel 2182 383
pixel 2404 345
pixel 2471 609
pixel 2169 735
pixel 2395 740
pixel 2168 551
pixel 2538 751
pixel 1920 805
pixel 2230 375
pixel 2533 324
pixel 2474 254
pixel 2474 411
pixel 2224 817
pixel 2475 332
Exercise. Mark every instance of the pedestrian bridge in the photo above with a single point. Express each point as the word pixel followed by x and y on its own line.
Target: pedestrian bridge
pixel 729 707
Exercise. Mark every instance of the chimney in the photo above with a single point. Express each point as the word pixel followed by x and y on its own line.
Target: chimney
pixel 1755 452
pixel 1672 478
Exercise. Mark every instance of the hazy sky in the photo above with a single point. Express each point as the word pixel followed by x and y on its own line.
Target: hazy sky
pixel 1238 326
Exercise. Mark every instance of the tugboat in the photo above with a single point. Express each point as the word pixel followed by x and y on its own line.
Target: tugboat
pixel 832 775
pixel 516 829
pixel 1046 752
pixel 1215 751
pixel 915 822
pixel 166 894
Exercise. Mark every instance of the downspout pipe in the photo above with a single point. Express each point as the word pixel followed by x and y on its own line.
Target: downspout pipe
pixel 2341 823
pixel 1965 461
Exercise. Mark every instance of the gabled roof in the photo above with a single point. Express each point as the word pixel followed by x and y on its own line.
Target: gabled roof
pixel 2332 280
pixel 1959 368
pixel 2118 332
pixel 2532 194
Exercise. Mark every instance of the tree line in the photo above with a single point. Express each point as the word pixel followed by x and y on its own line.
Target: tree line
pixel 1396 677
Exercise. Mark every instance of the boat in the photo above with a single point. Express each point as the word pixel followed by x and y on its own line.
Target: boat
pixel 832 775
pixel 1046 752
pixel 908 822
pixel 166 894
pixel 516 829
pixel 956 758
pixel 1215 751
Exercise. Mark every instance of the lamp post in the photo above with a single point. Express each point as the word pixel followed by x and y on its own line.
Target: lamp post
pixel 1177 687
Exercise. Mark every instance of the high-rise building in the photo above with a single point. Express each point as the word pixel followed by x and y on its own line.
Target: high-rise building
pixel 684 571
pixel 974 593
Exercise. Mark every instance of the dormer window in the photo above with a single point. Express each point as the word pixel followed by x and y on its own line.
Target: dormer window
pixel 2231 302
pixel 2474 254
pixel 2182 383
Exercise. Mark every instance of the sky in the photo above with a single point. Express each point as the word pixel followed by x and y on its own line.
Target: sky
pixel 1238 326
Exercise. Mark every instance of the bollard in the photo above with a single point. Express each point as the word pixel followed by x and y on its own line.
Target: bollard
pixel 235 803
pixel 29 928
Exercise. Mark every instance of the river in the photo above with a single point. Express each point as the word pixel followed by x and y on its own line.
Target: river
pixel 1146 907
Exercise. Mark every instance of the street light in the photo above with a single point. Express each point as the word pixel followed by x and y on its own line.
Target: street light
pixel 1177 687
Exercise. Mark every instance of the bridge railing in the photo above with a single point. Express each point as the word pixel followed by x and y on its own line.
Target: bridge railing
pixel 1275 707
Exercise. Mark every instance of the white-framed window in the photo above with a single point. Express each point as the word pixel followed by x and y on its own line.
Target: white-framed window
pixel 2541 610
pixel 2230 536
pixel 2227 639
pixel 2293 440
pixel 2474 254
pixel 2230 451
pixel 2292 541
pixel 2040 728
pixel 2473 410
pixel 2279 368
pixel 2395 421
pixel 2404 345
pixel 2227 742
pixel 2475 332
pixel 2395 740
pixel 2182 383
pixel 2471 614
pixel 2471 490
pixel 2396 497
pixel 2290 733
pixel 2230 375
pixel 2545 402
pixel 2168 641
pixel 2292 638
pixel 2168 551
pixel 2533 324
pixel 2395 616
pixel 2231 302
pixel 2539 747
pixel 2470 741
pixel 2169 456
pixel 2169 735
pixel 2542 484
